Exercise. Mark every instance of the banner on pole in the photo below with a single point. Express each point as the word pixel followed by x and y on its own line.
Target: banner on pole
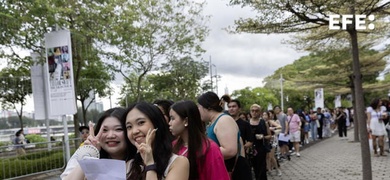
pixel 319 98
pixel 61 95
pixel 337 101
pixel 38 80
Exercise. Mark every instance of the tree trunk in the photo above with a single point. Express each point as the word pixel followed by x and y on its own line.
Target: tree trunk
pixel 357 79
pixel 356 124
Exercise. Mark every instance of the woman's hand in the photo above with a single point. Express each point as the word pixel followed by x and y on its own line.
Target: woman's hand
pixel 145 149
pixel 92 139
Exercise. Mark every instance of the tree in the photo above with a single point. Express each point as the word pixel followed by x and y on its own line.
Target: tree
pixel 179 79
pixel 150 33
pixel 15 86
pixel 286 16
pixel 248 96
pixel 26 22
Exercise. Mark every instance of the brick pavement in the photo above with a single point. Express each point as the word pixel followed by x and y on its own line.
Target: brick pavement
pixel 332 159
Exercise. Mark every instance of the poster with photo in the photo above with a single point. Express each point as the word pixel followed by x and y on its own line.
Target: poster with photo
pixel 60 83
pixel 319 97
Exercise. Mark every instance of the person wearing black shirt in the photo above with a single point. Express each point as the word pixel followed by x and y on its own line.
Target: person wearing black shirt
pixel 244 126
pixel 320 117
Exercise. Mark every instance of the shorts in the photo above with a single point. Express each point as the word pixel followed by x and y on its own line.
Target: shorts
pixel 282 143
pixel 295 136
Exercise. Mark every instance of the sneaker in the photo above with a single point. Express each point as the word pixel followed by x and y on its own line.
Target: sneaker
pixel 298 155
pixel 279 172
pixel 293 153
pixel 288 157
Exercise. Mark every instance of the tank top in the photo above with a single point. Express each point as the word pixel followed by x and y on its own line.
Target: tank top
pixel 229 163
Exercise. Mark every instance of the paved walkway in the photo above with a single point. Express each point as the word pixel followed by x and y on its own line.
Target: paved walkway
pixel 332 159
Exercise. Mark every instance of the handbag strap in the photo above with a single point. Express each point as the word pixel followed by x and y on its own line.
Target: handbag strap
pixel 238 152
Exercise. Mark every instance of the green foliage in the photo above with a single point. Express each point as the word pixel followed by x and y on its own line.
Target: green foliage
pixel 31 163
pixel 161 33
pixel 34 138
pixel 330 70
pixel 261 96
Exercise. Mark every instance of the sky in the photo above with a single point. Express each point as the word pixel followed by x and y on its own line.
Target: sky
pixel 241 60
pixel 244 59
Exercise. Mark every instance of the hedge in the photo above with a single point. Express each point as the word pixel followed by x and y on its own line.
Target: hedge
pixel 31 163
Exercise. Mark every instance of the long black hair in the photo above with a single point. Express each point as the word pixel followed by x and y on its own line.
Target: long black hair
pixel 196 135
pixel 118 114
pixel 162 146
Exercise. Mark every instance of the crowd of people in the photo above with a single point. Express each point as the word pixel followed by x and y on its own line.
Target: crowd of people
pixel 201 140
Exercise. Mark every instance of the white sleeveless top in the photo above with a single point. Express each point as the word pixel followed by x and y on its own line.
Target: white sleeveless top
pixel 173 158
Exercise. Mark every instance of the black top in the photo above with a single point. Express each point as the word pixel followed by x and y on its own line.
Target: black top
pixel 320 117
pixel 245 130
pixel 261 128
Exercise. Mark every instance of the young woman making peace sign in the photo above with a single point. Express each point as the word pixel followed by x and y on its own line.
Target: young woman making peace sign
pixel 147 130
pixel 110 141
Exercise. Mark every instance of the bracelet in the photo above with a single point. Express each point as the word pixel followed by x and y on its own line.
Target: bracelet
pixel 151 167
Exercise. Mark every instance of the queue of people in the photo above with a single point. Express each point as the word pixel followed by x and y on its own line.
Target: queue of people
pixel 188 140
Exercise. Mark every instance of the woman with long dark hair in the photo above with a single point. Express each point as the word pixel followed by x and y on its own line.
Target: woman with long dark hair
pixel 206 160
pixel 147 130
pixel 110 141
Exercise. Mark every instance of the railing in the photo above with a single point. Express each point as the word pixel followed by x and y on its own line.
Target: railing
pixel 38 158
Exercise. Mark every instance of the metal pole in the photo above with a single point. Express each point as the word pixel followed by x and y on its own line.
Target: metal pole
pixel 66 138
pixel 281 92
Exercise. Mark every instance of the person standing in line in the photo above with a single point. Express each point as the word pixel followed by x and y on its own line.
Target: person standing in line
pixel 320 119
pixel 149 133
pixel 244 126
pixel 376 113
pixel 327 122
pixel 341 118
pixel 224 131
pixel 261 145
pixel 313 125
pixel 110 141
pixel 284 132
pixel 294 124
pixel 274 127
pixel 164 105
pixel 206 160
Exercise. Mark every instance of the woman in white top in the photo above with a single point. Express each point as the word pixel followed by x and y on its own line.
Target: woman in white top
pixel 375 125
pixel 110 141
pixel 147 130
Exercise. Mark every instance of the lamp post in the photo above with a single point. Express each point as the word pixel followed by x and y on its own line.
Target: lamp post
pixel 216 76
pixel 281 91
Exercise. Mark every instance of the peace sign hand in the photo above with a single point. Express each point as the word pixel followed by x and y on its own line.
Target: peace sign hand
pixel 145 149
pixel 92 139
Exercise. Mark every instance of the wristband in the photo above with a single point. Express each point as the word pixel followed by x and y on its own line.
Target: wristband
pixel 151 167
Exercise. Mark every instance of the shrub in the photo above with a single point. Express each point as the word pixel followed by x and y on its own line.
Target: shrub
pixel 34 138
pixel 31 163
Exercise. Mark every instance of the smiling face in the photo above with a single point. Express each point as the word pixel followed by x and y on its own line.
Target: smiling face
pixel 112 139
pixel 177 125
pixel 137 126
